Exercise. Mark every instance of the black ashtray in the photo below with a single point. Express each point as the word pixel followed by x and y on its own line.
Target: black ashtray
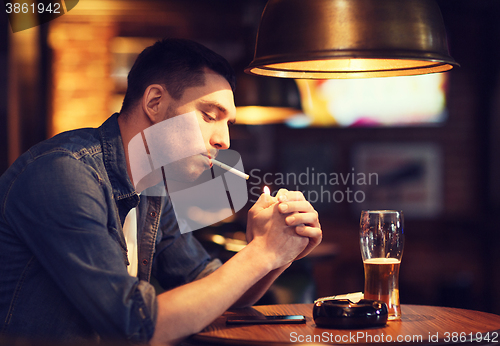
pixel 342 313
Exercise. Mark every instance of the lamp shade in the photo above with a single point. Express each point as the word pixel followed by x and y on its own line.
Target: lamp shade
pixel 350 39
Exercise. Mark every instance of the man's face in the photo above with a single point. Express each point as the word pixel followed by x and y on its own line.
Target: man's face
pixel 214 107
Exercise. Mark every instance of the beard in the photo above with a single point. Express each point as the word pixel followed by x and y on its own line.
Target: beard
pixel 186 170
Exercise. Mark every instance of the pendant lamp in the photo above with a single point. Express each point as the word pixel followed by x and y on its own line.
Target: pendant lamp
pixel 321 39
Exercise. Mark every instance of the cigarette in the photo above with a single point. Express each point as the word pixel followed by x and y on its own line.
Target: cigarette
pixel 230 169
pixel 266 190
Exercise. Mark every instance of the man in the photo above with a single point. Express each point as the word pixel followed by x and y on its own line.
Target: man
pixel 63 205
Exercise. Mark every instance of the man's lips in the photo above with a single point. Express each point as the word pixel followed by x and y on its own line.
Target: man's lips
pixel 210 154
pixel 209 157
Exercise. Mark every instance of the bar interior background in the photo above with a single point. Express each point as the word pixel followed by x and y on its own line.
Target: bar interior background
pixel 63 74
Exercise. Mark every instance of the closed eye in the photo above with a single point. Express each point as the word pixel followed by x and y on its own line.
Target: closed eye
pixel 208 116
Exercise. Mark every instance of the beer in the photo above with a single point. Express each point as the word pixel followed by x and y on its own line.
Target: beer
pixel 382 283
pixel 381 239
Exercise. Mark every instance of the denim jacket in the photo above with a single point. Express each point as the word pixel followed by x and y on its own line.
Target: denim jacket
pixel 63 257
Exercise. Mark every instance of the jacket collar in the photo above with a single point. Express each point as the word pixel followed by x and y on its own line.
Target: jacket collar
pixel 115 161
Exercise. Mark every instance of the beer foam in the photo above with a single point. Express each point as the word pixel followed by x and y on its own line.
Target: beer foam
pixel 382 261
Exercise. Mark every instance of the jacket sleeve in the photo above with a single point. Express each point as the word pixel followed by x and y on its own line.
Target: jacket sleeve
pixel 66 224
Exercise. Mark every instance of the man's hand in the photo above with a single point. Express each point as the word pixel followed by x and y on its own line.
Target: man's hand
pixel 267 229
pixel 297 213
pixel 301 214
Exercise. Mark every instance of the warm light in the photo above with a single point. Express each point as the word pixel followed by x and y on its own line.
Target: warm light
pixel 235 245
pixel 230 244
pixel 218 239
pixel 349 68
pixel 258 115
pixel 266 190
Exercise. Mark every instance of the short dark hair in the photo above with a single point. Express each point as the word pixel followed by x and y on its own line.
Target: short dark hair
pixel 176 64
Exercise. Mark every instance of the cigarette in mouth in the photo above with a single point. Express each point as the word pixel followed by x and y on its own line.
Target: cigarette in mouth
pixel 230 169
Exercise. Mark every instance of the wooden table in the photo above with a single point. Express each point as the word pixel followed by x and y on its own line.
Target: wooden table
pixel 422 325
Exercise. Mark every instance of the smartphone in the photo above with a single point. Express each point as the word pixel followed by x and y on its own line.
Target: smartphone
pixel 263 319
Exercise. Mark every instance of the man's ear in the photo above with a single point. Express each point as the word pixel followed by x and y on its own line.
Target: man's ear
pixel 154 99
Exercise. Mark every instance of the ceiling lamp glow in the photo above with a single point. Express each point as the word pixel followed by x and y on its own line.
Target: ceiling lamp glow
pixel 324 39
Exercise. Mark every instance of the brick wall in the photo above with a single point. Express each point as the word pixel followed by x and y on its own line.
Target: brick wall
pixel 81 84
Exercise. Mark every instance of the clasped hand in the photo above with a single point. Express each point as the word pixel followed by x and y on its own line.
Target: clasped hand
pixel 286 225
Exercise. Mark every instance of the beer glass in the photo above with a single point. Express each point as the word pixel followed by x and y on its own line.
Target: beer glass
pixel 381 239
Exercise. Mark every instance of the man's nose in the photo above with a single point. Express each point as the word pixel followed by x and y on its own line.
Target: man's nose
pixel 220 138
